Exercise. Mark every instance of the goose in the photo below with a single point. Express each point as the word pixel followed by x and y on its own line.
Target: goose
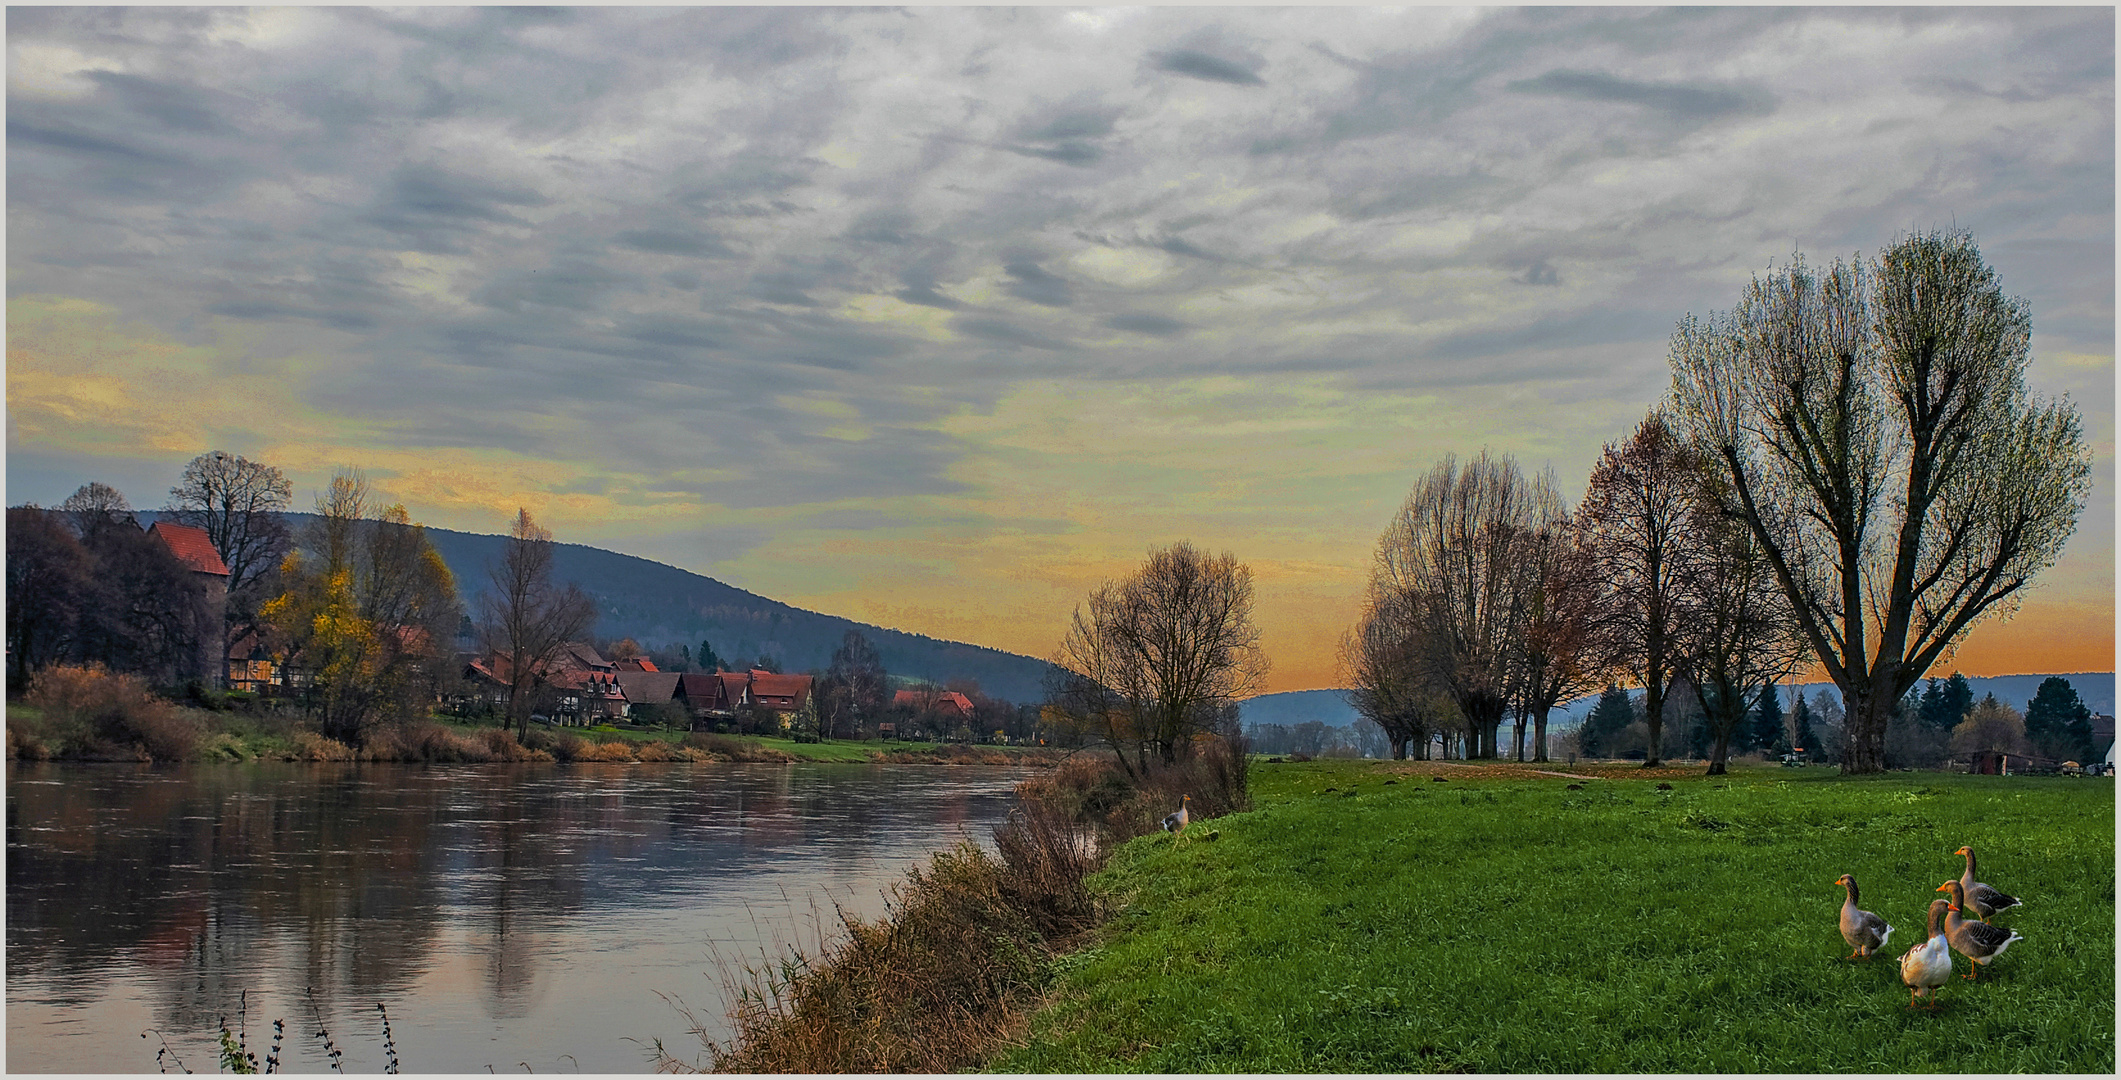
pixel 1977 941
pixel 1866 933
pixel 1928 966
pixel 1176 823
pixel 1986 900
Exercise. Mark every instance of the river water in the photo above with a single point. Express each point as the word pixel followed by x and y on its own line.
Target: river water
pixel 542 918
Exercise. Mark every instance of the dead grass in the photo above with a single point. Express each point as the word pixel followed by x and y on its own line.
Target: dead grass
pixel 940 982
pixel 948 976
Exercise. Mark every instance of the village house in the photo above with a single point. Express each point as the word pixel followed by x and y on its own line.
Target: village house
pixel 195 549
pixel 947 705
pixel 723 694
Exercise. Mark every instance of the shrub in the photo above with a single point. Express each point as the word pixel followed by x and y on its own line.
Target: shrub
pixel 310 746
pixel 607 751
pixel 92 712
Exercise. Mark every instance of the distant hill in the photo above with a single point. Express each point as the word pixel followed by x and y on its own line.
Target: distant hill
pixel 1294 707
pixel 662 606
pixel 2095 689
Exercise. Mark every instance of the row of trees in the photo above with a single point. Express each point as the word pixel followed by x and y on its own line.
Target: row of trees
pixel 86 584
pixel 1849 472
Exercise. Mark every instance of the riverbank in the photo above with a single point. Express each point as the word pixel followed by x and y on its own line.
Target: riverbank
pixel 1367 918
pixel 176 733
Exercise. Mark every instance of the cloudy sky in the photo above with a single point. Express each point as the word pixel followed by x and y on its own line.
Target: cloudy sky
pixel 936 318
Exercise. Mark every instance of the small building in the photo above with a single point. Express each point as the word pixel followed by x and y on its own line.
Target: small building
pixel 948 704
pixel 195 550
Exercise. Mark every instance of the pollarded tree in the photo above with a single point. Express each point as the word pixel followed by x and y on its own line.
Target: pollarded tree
pixel 1381 662
pixel 1638 527
pixel 1875 430
pixel 1455 552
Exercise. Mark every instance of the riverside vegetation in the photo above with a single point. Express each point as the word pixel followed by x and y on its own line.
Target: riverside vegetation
pixel 1364 917
pixel 85 713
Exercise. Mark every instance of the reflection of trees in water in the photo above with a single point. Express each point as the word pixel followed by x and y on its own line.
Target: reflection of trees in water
pixel 343 876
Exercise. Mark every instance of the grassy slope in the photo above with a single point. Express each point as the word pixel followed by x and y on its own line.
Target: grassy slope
pixel 1513 925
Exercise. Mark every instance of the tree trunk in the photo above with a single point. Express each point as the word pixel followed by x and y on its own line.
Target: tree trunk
pixel 1653 717
pixel 1399 749
pixel 1719 752
pixel 1539 735
pixel 1863 725
pixel 1517 736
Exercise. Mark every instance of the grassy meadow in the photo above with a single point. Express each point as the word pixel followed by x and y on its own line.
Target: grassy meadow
pixel 1366 918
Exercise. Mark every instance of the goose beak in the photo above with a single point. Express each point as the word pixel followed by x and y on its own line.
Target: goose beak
pixel 1946 887
pixel 1961 851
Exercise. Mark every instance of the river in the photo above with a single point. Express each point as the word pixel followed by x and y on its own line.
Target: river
pixel 540 918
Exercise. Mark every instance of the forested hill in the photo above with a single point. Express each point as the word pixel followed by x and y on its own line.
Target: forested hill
pixel 660 605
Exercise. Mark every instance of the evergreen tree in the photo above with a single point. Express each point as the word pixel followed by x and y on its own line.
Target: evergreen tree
pixel 1801 726
pixel 707 660
pixel 1608 718
pixel 1945 705
pixel 2057 721
pixel 1767 723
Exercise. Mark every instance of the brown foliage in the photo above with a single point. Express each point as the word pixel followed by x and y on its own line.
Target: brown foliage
pixel 91 712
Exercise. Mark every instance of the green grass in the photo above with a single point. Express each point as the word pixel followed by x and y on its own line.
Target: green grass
pixel 828 750
pixel 1514 925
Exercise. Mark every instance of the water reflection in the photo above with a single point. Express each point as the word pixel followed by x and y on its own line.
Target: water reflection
pixel 502 912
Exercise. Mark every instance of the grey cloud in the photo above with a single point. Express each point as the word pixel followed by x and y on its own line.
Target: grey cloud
pixel 1005 332
pixel 1408 194
pixel 675 242
pixel 1034 283
pixel 926 296
pixel 172 105
pixel 1539 273
pixel 1152 325
pixel 1696 102
pixel 1178 246
pixel 575 284
pixel 1200 65
pixel 1069 153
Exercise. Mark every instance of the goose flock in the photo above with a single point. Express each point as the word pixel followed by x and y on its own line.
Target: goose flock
pixel 1928 965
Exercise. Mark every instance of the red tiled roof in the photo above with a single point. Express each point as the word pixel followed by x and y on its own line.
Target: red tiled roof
pixel 949 700
pixel 634 663
pixel 191 546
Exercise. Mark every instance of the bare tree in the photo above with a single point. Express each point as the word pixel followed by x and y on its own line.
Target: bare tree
pixel 1741 638
pixel 94 506
pixel 1160 655
pixel 855 688
pixel 1382 661
pixel 1637 531
pixel 1560 658
pixel 1452 554
pixel 1877 436
pixel 525 619
pixel 240 503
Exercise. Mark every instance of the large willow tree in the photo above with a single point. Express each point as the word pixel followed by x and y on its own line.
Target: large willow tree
pixel 1875 432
